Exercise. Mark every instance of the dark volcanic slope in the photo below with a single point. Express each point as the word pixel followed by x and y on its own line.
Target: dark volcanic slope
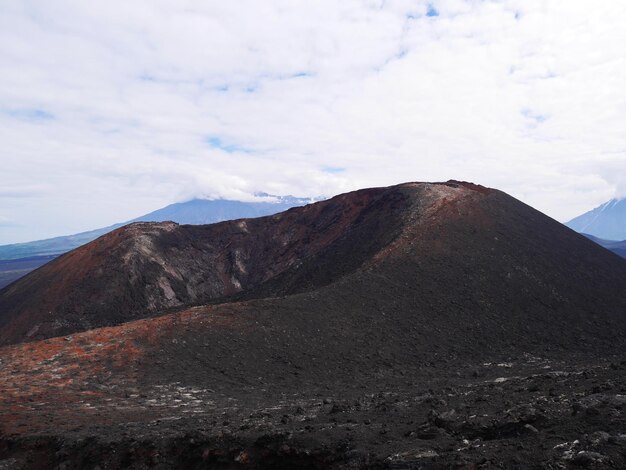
pixel 477 331
pixel 478 248
pixel 145 268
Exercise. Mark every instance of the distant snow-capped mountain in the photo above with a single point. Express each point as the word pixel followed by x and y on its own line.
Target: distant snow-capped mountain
pixel 607 221
pixel 195 212
pixel 204 211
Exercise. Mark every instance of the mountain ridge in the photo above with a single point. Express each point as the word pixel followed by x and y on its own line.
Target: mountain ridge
pixel 196 211
pixel 144 268
pixel 607 221
pixel 189 212
pixel 153 281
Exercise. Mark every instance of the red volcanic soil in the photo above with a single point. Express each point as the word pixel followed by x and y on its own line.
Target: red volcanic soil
pixel 419 326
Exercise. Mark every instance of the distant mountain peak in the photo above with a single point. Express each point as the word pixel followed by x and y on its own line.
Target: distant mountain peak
pixel 607 221
pixel 612 202
pixel 195 212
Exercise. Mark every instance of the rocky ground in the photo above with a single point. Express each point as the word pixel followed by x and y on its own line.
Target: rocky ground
pixel 525 412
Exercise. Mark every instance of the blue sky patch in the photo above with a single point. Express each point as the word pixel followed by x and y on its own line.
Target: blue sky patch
pixel 333 169
pixel 431 11
pixel 30 114
pixel 217 143
pixel 534 116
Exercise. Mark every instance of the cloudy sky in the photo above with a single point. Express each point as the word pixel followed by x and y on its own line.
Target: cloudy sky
pixel 111 109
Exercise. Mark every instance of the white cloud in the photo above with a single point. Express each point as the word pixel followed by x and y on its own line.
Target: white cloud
pixel 110 108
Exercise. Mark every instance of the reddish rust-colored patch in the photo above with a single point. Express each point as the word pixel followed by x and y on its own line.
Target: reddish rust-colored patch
pixel 57 376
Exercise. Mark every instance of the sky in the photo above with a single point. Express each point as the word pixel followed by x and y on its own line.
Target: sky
pixel 112 109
